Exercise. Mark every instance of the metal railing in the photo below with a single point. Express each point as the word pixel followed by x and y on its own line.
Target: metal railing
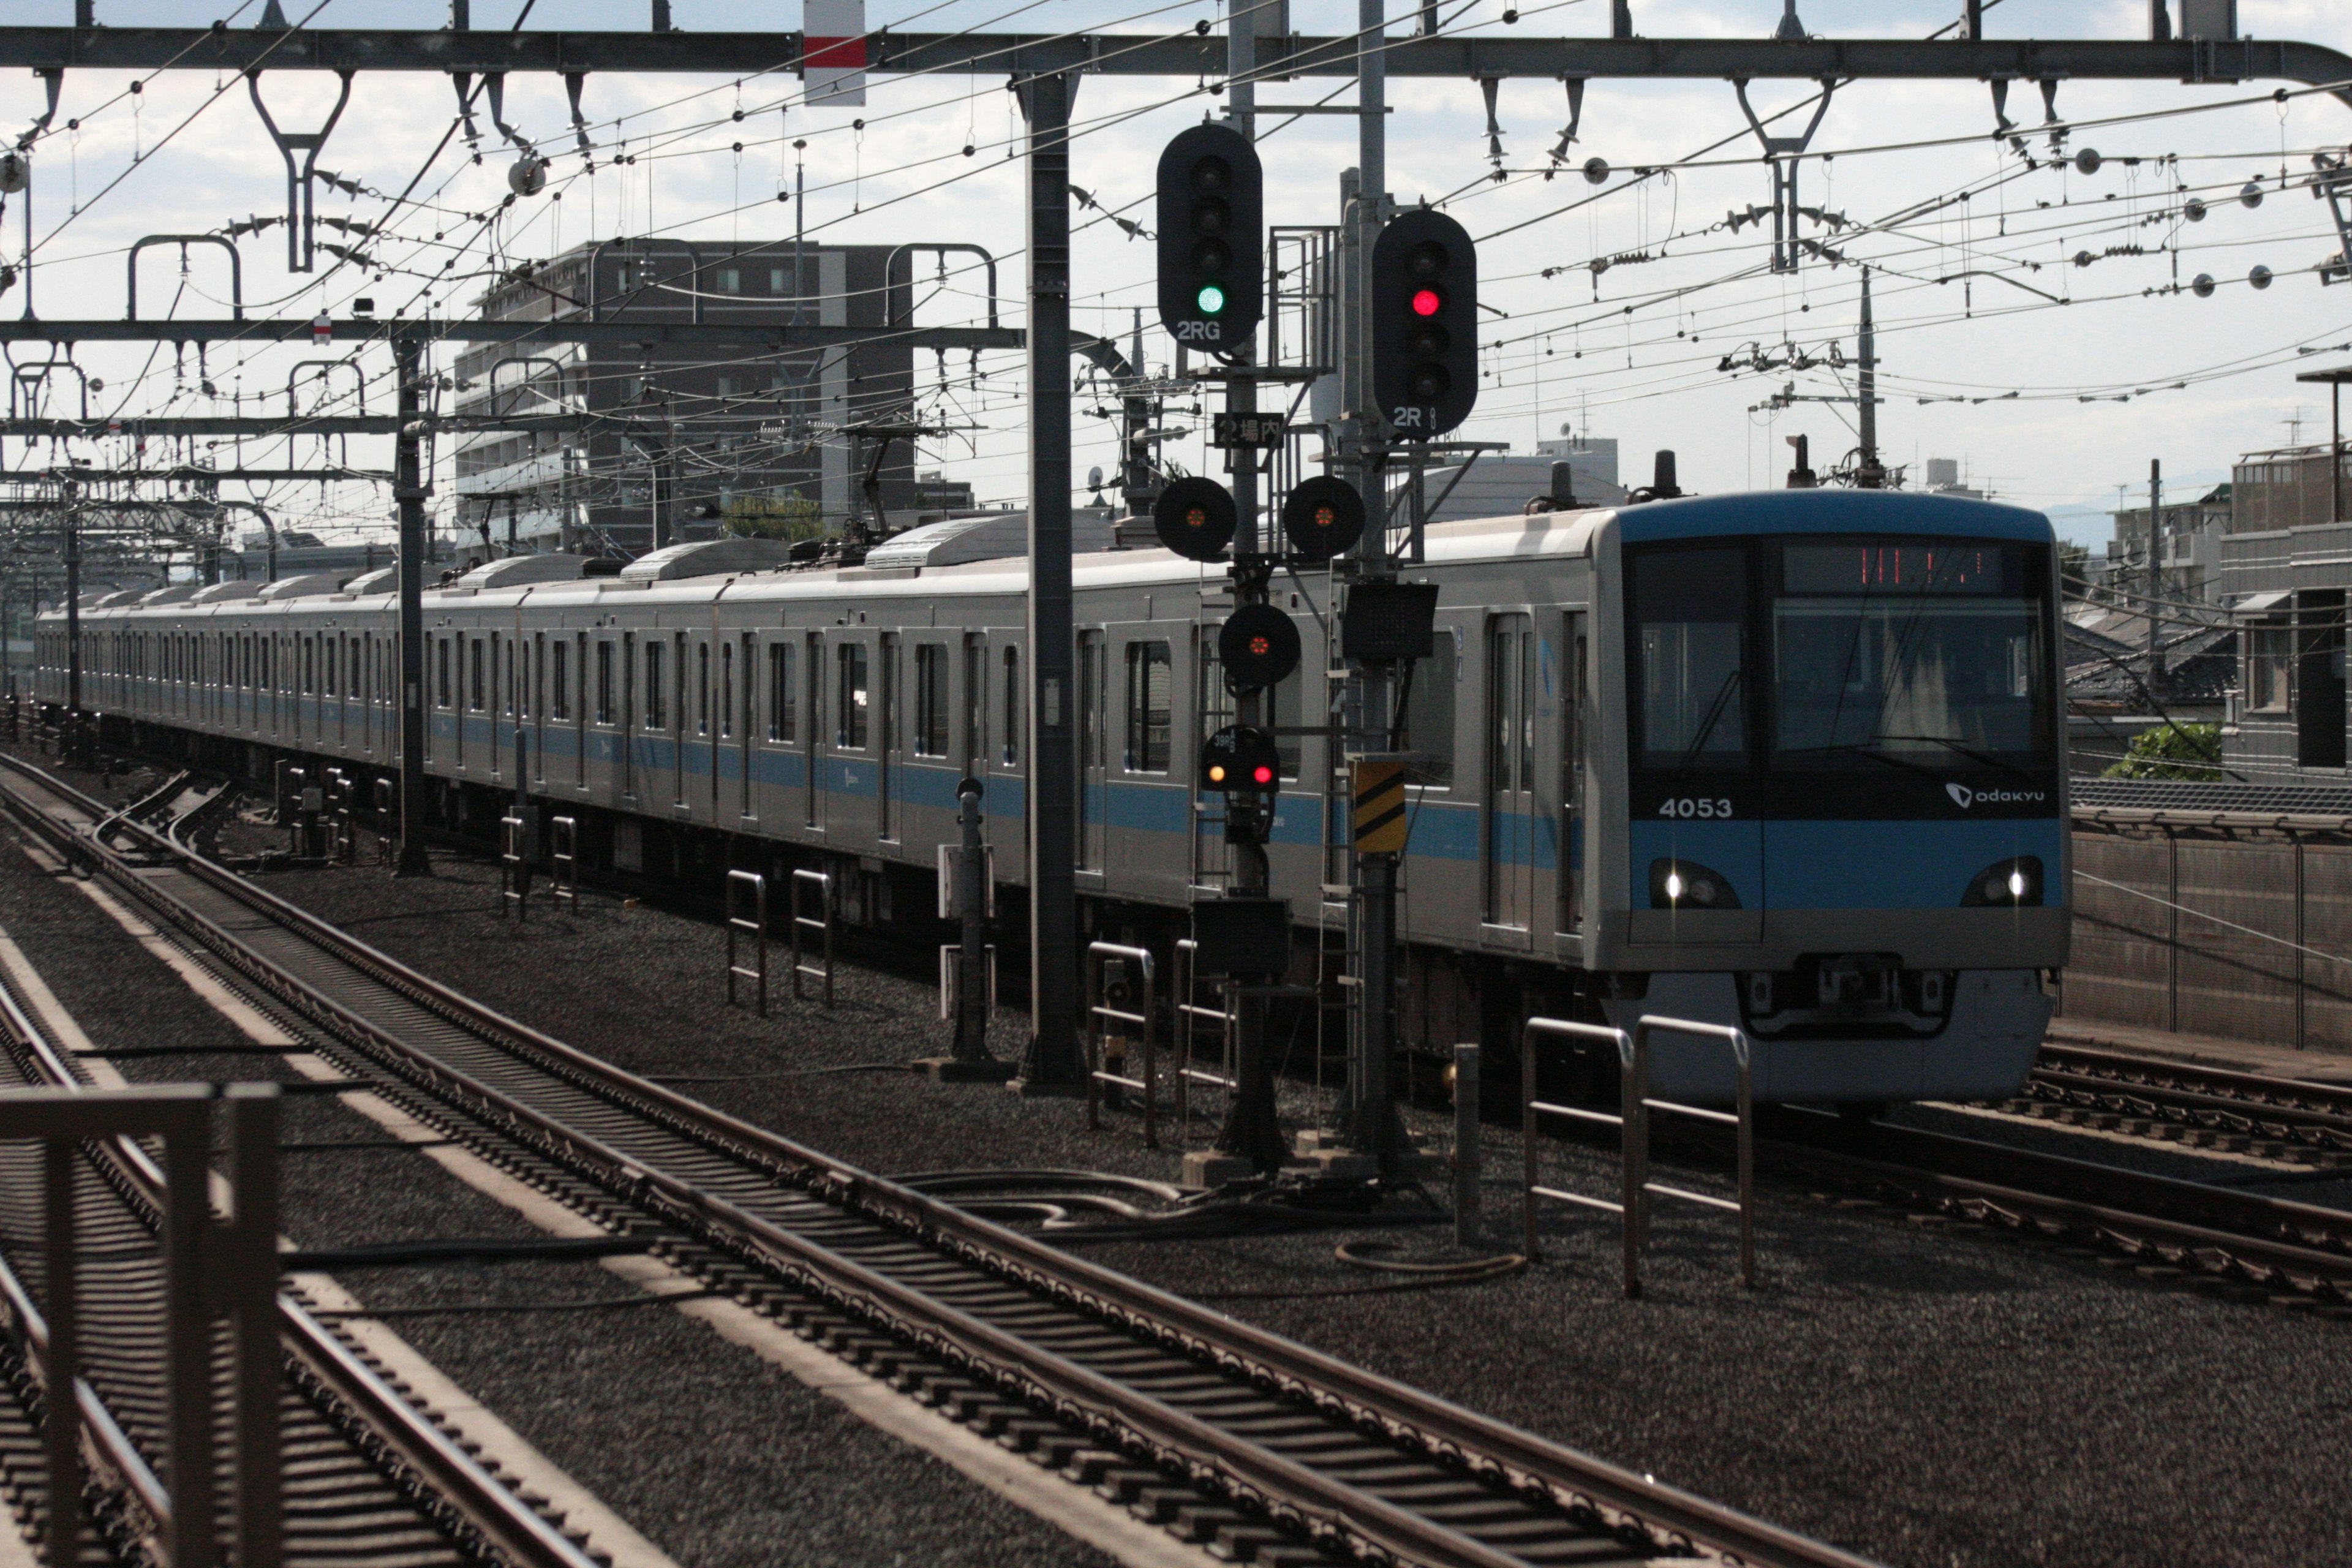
pixel 514 867
pixel 1100 1012
pixel 737 881
pixel 821 923
pixel 1633 1122
pixel 211 1269
pixel 564 863
pixel 1190 1017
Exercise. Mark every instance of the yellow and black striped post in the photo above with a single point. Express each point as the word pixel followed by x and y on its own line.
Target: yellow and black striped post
pixel 1380 820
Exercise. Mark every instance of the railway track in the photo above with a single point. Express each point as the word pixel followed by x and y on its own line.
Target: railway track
pixel 372 1481
pixel 2184 1103
pixel 1260 1448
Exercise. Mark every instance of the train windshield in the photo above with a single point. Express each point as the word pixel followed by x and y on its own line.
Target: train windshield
pixel 1924 652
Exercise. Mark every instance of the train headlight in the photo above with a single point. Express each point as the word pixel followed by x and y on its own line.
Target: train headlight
pixel 2013 884
pixel 1688 885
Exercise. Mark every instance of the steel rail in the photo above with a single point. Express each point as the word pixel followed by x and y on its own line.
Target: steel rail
pixel 2218 1230
pixel 1325 1507
pixel 2257 1096
pixel 501 1526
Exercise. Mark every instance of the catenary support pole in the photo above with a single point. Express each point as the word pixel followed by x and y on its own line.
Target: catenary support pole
pixel 409 490
pixel 1253 1128
pixel 1052 1062
pixel 2154 561
pixel 1870 474
pixel 1371 1125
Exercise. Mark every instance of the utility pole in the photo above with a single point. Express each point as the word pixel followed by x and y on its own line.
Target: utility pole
pixel 1870 474
pixel 2155 561
pixel 1252 1130
pixel 73 603
pixel 1052 1063
pixel 1371 1128
pixel 409 490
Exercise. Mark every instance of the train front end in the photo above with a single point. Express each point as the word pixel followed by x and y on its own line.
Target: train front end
pixel 1833 726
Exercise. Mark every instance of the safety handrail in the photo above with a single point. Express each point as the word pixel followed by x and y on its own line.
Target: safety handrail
pixel 1633 1122
pixel 1188 1015
pixel 737 883
pixel 514 868
pixel 563 861
pixel 219 1433
pixel 1098 1013
pixel 822 922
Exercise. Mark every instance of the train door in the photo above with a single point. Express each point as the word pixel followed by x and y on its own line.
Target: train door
pixel 1510 805
pixel 889 769
pixel 1092 784
pixel 813 784
pixel 1212 858
pixel 1574 727
pixel 677 734
pixel 628 715
pixel 572 687
pixel 746 717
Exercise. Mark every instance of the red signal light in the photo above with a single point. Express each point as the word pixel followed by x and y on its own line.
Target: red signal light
pixel 1427 301
pixel 1263 773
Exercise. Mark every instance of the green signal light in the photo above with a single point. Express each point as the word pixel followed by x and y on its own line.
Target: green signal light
pixel 1210 299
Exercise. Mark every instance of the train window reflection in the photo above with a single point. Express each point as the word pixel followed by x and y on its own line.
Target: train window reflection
pixel 1427 727
pixel 1689 618
pixel 1927 651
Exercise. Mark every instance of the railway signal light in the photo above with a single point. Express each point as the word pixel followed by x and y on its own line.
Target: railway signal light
pixel 1195 517
pixel 1322 516
pixel 1211 260
pixel 1241 758
pixel 1425 302
pixel 1258 645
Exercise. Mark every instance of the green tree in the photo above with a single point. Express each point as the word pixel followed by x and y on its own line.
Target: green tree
pixel 2172 752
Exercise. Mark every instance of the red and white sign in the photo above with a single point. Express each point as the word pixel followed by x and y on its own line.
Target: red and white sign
pixel 322 330
pixel 833 52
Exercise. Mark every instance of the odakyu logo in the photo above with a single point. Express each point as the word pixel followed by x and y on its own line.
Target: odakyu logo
pixel 1965 797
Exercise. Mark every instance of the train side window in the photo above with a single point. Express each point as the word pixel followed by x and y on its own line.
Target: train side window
pixel 726 687
pixel 850 715
pixel 474 688
pixel 1011 752
pixel 1427 730
pixel 559 676
pixel 783 697
pixel 930 700
pixel 603 683
pixel 1150 699
pixel 656 717
pixel 441 691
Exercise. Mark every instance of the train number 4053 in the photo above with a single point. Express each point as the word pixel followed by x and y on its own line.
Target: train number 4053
pixel 1687 805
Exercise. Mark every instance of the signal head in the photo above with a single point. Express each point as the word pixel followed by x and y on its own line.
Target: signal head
pixel 1241 757
pixel 1211 243
pixel 1322 516
pixel 1195 517
pixel 1258 645
pixel 1425 307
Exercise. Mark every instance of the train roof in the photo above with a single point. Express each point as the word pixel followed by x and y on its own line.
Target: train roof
pixel 1566 535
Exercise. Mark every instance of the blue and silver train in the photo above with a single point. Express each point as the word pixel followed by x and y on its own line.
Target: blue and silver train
pixel 1788 760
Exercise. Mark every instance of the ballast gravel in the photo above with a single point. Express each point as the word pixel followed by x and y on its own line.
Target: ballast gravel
pixel 1942 1395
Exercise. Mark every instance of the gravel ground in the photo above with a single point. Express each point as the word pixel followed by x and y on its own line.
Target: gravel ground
pixel 720 1458
pixel 1923 1394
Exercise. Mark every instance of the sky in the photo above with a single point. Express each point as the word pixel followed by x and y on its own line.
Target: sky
pixel 1990 337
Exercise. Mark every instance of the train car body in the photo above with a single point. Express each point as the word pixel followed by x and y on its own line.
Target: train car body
pixel 1788 761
